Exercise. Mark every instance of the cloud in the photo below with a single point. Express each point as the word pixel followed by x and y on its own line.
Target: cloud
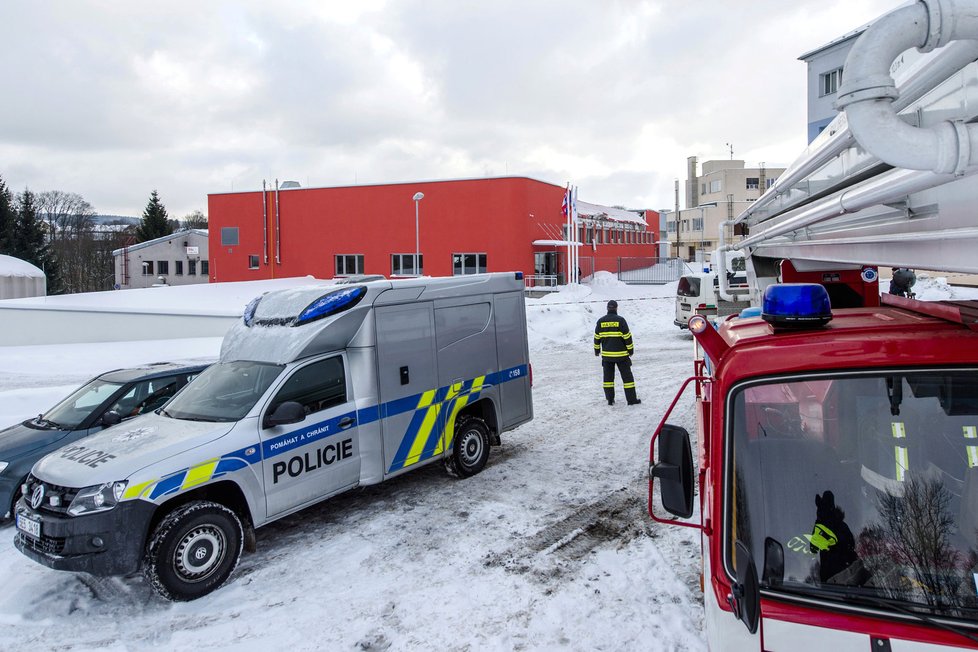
pixel 111 101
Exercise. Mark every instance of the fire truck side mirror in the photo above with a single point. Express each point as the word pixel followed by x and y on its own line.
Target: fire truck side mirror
pixel 675 471
pixel 745 594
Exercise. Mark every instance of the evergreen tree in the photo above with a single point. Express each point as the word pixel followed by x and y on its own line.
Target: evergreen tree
pixel 155 223
pixel 28 241
pixel 7 218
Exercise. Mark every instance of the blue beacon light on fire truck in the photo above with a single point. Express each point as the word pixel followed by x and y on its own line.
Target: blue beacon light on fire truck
pixel 796 305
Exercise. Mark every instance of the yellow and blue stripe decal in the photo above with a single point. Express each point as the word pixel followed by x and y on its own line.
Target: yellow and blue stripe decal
pixel 416 445
pixel 428 427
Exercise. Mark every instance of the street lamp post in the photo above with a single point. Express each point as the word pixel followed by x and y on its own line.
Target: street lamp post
pixel 418 196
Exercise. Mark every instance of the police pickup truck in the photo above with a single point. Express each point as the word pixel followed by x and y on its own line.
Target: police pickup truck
pixel 317 390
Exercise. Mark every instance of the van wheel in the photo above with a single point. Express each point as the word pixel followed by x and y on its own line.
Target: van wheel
pixel 193 550
pixel 470 450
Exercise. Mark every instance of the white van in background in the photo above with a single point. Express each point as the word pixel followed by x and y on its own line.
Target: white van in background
pixel 700 293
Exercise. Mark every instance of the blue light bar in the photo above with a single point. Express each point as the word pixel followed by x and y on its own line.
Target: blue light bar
pixel 796 305
pixel 330 304
pixel 249 311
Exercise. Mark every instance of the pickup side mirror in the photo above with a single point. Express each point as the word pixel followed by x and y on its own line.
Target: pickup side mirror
pixel 286 413
pixel 675 471
pixel 111 418
pixel 745 594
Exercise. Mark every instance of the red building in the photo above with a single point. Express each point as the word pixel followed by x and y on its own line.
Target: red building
pixel 463 227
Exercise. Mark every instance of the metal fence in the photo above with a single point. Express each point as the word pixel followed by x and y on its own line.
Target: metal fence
pixel 637 270
pixel 542 282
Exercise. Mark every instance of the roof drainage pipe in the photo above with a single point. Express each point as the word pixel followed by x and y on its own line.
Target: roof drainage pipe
pixel 868 90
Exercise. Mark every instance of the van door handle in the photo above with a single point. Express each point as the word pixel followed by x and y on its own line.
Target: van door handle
pixel 345 423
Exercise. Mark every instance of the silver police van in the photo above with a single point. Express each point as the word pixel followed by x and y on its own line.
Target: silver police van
pixel 317 390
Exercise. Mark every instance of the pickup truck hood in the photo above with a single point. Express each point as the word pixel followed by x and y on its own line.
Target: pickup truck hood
pixel 118 452
pixel 20 440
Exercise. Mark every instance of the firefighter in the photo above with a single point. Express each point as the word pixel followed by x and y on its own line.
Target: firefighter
pixel 903 279
pixel 613 342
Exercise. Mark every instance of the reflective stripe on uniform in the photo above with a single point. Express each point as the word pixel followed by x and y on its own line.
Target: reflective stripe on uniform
pixel 900 453
pixel 611 384
pixel 614 354
pixel 970 432
pixel 629 385
pixel 902 462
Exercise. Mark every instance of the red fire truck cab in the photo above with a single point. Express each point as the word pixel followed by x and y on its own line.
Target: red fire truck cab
pixel 837 467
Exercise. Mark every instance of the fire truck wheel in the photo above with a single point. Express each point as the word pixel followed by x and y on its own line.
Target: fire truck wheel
pixel 470 450
pixel 193 550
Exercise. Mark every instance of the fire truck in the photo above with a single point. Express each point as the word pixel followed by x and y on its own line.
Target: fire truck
pixel 833 470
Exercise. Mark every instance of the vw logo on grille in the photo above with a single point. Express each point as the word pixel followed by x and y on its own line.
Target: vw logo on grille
pixel 37 496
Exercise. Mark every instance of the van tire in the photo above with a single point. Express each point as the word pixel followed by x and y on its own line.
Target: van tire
pixel 470 448
pixel 193 550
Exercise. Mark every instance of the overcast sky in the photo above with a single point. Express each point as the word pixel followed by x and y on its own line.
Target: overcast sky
pixel 113 99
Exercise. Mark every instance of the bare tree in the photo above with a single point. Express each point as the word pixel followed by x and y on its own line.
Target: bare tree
pixel 194 220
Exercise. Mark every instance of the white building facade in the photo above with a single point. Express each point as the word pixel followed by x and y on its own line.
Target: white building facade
pixel 180 258
pixel 718 194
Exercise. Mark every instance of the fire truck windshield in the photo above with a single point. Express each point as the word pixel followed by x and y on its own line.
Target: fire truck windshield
pixel 863 483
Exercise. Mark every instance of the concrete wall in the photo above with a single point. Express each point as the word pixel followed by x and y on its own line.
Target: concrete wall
pixel 20 326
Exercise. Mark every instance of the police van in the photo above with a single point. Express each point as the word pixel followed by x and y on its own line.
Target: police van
pixel 317 390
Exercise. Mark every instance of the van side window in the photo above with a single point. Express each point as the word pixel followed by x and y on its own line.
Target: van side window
pixel 317 386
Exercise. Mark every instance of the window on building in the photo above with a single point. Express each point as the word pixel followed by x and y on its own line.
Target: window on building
pixel 829 82
pixel 468 264
pixel 147 268
pixel 178 268
pixel 715 186
pixel 163 267
pixel 697 223
pixel 348 264
pixel 252 261
pixel 204 268
pixel 191 268
pixel 403 265
pixel 670 226
pixel 229 236
pixel 702 188
pixel 753 183
pixel 770 182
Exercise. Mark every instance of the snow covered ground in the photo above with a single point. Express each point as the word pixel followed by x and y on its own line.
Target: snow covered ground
pixel 549 548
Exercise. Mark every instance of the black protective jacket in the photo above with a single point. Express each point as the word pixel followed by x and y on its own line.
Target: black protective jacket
pixel 612 339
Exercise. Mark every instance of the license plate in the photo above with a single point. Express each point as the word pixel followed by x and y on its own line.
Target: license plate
pixel 29 526
pixel 684 306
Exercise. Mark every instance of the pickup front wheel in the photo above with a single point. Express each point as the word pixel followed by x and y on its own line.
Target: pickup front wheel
pixel 193 550
pixel 470 450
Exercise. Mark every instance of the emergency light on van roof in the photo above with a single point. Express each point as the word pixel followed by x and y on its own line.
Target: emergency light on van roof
pixel 796 305
pixel 330 304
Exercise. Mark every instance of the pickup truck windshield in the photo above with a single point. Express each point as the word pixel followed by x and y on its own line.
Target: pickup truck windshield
pixel 225 391
pixel 868 484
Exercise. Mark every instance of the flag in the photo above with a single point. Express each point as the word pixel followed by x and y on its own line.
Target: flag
pixel 565 205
